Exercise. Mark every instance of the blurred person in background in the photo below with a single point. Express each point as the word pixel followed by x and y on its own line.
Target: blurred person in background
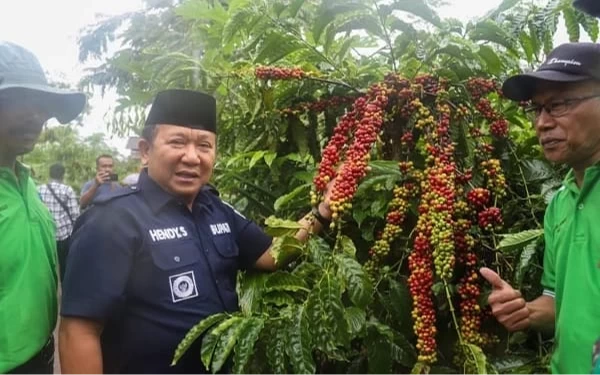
pixel 62 202
pixel 104 182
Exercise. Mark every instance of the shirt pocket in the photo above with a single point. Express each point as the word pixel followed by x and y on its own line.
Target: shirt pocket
pixel 175 277
pixel 174 255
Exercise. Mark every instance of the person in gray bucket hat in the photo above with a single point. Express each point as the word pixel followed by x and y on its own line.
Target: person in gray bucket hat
pixel 28 272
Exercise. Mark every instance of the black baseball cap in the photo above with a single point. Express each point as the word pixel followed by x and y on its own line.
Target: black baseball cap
pixel 591 7
pixel 191 109
pixel 21 70
pixel 569 62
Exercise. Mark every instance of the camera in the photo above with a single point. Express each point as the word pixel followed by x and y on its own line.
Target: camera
pixel 114 177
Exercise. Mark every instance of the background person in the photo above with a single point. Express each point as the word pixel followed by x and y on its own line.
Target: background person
pixel 64 208
pixel 104 182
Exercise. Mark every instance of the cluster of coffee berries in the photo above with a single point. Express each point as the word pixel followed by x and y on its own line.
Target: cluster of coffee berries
pixel 480 87
pixel 429 84
pixel 499 128
pixel 440 185
pixel 332 153
pixel 354 168
pixel 495 179
pixel 420 283
pixel 479 198
pixel 396 213
pixel 490 219
pixel 277 73
pixel 319 105
pixel 422 115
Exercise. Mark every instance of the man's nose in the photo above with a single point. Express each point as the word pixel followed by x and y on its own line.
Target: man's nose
pixel 190 155
pixel 543 121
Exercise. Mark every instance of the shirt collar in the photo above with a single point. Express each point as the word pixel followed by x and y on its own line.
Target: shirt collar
pixel 157 197
pixel 591 175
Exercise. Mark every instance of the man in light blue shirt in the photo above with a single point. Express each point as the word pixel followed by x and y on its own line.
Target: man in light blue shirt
pixel 104 182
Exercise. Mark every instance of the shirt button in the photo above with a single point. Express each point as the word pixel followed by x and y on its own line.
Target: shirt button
pixel 580 206
pixel 177 259
pixel 216 281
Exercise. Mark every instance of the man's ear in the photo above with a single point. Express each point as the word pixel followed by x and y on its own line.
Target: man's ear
pixel 144 147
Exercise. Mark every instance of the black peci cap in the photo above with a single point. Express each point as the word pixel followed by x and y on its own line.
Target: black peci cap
pixel 192 109
pixel 591 7
pixel 569 62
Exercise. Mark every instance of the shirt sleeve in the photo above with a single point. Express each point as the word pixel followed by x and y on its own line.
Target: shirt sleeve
pixel 99 263
pixel 72 203
pixel 548 276
pixel 251 240
pixel 86 187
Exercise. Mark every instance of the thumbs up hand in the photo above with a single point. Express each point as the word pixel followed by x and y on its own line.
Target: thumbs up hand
pixel 508 306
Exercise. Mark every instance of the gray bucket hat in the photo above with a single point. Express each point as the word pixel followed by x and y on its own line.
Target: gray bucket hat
pixel 21 70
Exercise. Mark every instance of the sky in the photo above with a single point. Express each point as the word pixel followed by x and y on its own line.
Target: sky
pixel 50 28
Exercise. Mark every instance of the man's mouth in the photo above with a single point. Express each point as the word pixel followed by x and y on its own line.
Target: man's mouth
pixel 187 175
pixel 551 142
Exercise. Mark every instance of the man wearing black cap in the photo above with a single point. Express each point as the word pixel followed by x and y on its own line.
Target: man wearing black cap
pixel 28 280
pixel 150 261
pixel 565 107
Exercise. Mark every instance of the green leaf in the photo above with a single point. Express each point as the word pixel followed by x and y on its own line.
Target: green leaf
pixel 235 23
pixel 347 246
pixel 300 191
pixel 571 23
pixel 475 354
pixel 418 8
pixel 365 22
pixel 226 343
pixel 490 31
pixel 278 299
pixel 329 10
pixel 356 318
pixel 284 249
pixel 246 342
pixel 193 334
pixel 590 25
pixel 504 6
pixel 524 261
pixel 294 7
pixel 299 348
pixel 515 241
pixel 269 158
pixel 319 250
pixel 536 170
pixel 210 340
pixel 275 47
pixel 258 155
pixel 403 351
pixel 276 357
pixel 279 227
pixel 250 291
pixel 285 281
pixel 492 61
pixel 325 312
pixel 513 364
pixel 549 188
pixel 359 287
pixel 420 368
pixel 379 354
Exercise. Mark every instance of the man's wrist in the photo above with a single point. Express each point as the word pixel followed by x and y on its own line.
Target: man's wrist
pixel 324 221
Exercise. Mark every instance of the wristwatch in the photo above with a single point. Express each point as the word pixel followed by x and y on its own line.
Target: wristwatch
pixel 324 222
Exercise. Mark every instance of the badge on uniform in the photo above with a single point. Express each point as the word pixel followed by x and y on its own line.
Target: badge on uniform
pixel 183 286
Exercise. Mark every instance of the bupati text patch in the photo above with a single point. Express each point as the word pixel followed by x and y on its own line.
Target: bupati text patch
pixel 167 234
pixel 220 228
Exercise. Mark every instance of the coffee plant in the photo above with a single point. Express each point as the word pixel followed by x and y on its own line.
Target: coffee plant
pixel 326 310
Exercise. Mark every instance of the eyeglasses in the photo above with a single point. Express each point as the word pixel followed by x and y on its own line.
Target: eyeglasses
pixel 558 108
